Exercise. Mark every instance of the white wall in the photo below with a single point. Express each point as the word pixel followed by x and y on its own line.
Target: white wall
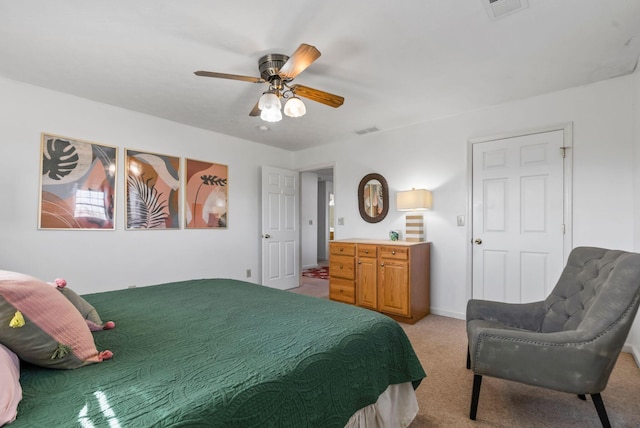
pixel 308 219
pixel 434 155
pixel 94 261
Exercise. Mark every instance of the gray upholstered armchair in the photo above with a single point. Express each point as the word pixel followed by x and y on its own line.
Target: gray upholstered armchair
pixel 569 342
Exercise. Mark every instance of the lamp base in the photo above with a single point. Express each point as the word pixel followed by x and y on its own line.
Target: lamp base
pixel 415 228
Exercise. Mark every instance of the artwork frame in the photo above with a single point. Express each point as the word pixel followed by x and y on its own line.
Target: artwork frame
pixel 77 189
pixel 152 191
pixel 206 195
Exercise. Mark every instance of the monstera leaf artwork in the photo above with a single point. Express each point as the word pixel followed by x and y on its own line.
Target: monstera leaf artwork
pixel 77 185
pixel 206 197
pixel 60 158
pixel 153 186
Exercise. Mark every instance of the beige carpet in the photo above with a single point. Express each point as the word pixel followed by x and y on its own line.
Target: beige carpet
pixel 444 396
pixel 313 286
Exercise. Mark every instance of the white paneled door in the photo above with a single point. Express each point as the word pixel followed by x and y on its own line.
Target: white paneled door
pixel 280 230
pixel 518 197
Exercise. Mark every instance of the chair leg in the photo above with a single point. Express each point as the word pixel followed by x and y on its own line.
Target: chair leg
pixel 477 382
pixel 602 412
pixel 468 358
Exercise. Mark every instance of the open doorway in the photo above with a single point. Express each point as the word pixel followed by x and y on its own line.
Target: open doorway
pixel 316 230
pixel 316 216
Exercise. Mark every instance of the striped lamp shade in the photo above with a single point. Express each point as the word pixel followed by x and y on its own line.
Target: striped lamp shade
pixel 414 200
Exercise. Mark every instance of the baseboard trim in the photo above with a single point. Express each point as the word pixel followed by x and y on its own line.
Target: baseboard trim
pixel 449 314
pixel 633 351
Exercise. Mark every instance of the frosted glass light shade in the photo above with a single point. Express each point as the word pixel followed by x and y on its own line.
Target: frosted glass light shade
pixel 414 200
pixel 268 101
pixel 271 114
pixel 294 107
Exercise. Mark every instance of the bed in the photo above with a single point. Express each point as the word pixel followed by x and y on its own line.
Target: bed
pixel 225 353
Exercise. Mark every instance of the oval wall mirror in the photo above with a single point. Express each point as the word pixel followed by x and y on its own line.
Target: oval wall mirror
pixel 373 198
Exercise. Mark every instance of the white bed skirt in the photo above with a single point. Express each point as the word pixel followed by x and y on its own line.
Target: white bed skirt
pixel 396 407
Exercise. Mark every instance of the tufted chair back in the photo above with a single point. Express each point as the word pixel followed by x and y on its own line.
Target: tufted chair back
pixel 595 289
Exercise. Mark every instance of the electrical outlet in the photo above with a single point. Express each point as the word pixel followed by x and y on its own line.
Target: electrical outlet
pixel 248 273
pixel 341 221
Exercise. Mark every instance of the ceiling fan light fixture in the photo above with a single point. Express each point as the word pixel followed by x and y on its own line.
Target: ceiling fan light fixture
pixel 271 114
pixel 294 107
pixel 269 100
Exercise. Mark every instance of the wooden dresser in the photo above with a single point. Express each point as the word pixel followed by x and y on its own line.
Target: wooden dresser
pixel 391 277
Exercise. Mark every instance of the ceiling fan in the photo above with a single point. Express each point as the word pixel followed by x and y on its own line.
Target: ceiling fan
pixel 278 71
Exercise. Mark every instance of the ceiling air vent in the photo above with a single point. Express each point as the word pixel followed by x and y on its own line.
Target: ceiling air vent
pixel 367 131
pixel 501 8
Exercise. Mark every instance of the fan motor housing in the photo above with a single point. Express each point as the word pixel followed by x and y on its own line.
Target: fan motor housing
pixel 270 64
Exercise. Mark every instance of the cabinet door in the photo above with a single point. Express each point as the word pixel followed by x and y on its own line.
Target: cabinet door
pixel 393 287
pixel 366 285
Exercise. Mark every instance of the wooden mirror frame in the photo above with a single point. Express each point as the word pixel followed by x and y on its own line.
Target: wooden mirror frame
pixel 361 199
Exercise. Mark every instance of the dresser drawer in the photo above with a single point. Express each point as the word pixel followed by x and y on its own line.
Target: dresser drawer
pixel 342 249
pixel 367 250
pixel 342 267
pixel 394 253
pixel 342 290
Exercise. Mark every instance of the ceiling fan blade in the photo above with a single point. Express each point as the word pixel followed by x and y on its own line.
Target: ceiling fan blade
pixel 255 111
pixel 298 61
pixel 331 100
pixel 229 76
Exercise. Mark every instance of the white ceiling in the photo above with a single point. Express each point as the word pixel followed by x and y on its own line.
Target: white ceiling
pixel 395 63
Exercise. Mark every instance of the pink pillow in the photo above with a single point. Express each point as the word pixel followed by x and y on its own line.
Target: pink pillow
pixel 11 392
pixel 41 326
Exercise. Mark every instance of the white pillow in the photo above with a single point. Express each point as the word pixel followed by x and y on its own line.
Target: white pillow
pixel 11 392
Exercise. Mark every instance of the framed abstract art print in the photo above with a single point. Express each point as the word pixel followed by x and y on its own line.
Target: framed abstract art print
pixel 152 184
pixel 77 184
pixel 206 198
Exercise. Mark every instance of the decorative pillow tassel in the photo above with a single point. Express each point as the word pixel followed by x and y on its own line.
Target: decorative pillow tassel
pixel 17 320
pixel 105 355
pixel 61 351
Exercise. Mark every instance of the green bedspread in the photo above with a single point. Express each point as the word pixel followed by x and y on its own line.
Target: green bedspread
pixel 223 353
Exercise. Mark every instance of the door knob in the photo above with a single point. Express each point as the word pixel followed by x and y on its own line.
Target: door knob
pixel 267 236
pixel 478 241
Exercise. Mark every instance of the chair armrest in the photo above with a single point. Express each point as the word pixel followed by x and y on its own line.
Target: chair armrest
pixel 570 361
pixel 527 316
